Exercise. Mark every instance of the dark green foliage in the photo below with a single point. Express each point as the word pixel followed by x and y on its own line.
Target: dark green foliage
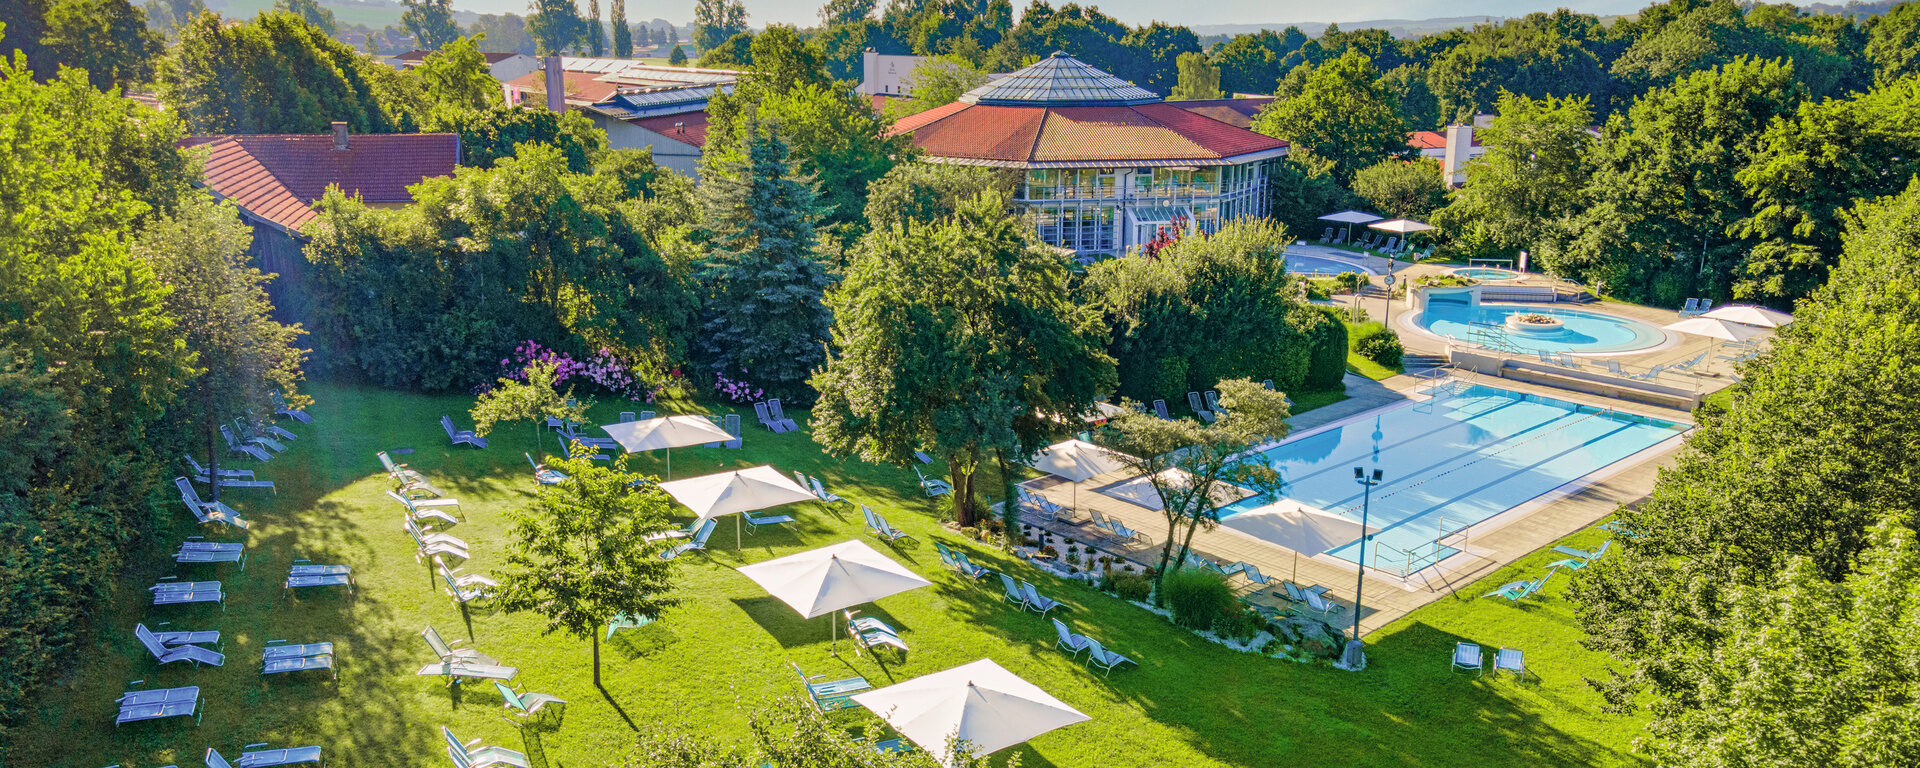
pixel 1402 189
pixel 314 13
pixel 714 21
pixel 1378 343
pixel 1179 320
pixel 678 58
pixel 1302 189
pixel 431 22
pixel 1893 43
pixel 499 131
pixel 913 194
pixel 1198 598
pixel 622 34
pixel 1327 347
pixel 275 74
pixel 1132 586
pixel 555 25
pixel 1531 180
pixel 434 295
pixel 107 38
pixel 1558 54
pixel 1342 114
pixel 763 318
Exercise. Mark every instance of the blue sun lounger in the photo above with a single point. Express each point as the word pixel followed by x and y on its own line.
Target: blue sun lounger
pixel 305 574
pixel 266 757
pixel 169 592
pixel 831 695
pixel 194 550
pixel 158 703
pixel 278 659
pixel 699 541
pixel 471 755
pixel 1099 656
pixel 167 654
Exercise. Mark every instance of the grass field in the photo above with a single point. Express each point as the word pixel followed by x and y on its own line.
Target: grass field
pixel 726 649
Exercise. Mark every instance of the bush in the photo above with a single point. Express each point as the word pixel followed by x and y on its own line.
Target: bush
pixel 1198 598
pixel 1239 623
pixel 1349 282
pixel 1131 586
pixel 1376 342
pixel 1327 360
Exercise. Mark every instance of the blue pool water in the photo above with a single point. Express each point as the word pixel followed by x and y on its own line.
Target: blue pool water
pixel 1486 273
pixel 1300 264
pixel 1451 462
pixel 1582 331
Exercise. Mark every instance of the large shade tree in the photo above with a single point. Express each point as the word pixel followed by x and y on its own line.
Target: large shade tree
pixel 958 339
pixel 274 74
pixel 1535 170
pixel 1341 114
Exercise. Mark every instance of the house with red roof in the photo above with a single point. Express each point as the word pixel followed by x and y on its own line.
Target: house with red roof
pixel 1106 165
pixel 638 105
pixel 274 179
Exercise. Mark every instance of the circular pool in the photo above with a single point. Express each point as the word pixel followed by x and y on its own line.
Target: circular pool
pixel 1579 331
pixel 1301 264
pixel 1487 274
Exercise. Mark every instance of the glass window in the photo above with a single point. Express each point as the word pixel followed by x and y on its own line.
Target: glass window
pixel 1040 183
pixel 1143 182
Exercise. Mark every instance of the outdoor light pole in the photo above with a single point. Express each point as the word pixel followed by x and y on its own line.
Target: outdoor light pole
pixel 1366 499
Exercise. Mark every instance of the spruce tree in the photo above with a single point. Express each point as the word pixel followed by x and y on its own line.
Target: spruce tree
pixel 622 34
pixel 596 32
pixel 766 320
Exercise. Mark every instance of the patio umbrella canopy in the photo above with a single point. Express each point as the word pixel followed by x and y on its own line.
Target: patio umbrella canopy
pixel 731 493
pixel 667 432
pixel 980 706
pixel 1350 218
pixel 1402 226
pixel 1077 461
pixel 1714 328
pixel 1747 314
pixel 820 581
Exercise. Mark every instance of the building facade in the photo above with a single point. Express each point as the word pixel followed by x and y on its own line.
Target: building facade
pixel 1105 165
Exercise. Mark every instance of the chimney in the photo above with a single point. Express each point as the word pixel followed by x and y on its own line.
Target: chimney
pixel 339 136
pixel 1453 171
pixel 556 85
pixel 679 127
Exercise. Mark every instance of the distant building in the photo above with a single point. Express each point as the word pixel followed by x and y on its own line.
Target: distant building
pixel 883 74
pixel 638 105
pixel 1452 147
pixel 1106 164
pixel 503 66
pixel 275 179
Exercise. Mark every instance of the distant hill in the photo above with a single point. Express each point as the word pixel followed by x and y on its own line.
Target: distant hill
pixel 1402 28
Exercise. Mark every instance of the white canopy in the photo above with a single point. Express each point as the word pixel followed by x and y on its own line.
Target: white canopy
pixel 820 581
pixel 1350 217
pixel 667 432
pixel 1401 226
pixel 979 705
pixel 1296 526
pixel 1715 329
pixel 1747 314
pixel 1077 460
pixel 731 493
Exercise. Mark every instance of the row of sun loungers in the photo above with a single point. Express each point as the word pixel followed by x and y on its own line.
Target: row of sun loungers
pixel 265 757
pixel 1097 654
pixel 957 560
pixel 461 436
pixel 879 527
pixel 227 478
pixel 773 417
pixel 1468 656
pixel 1521 590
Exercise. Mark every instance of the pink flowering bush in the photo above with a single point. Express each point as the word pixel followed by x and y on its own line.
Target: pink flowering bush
pixel 621 377
pixel 736 390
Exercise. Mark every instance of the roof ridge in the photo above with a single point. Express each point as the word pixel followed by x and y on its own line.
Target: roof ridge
pixel 1033 149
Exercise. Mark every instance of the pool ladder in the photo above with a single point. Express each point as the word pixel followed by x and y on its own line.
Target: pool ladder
pixel 1490 336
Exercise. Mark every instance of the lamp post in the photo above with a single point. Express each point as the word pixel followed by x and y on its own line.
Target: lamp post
pixel 1367 482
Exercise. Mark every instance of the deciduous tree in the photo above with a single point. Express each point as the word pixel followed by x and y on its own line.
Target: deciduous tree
pixel 275 74
pixel 107 38
pixel 430 21
pixel 1402 189
pixel 312 11
pixel 1199 79
pixel 1532 177
pixel 1342 115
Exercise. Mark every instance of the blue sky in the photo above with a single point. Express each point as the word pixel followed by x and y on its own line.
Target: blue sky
pixel 762 12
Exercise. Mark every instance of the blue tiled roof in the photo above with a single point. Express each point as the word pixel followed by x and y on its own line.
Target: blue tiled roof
pixel 1059 80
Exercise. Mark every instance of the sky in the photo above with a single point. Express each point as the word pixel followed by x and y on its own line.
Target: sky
pixel 1137 12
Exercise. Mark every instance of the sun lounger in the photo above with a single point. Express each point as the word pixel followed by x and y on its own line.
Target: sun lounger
pixel 831 695
pixel 461 436
pixel 922 457
pixel 730 424
pixel 622 621
pixel 1012 590
pixel 158 703
pixel 966 567
pixel 526 705
pixel 456 671
pixel 542 475
pixel 1253 574
pixel 166 654
pixel 586 451
pixel 869 633
pixel 1510 660
pixel 428 510
pixel 1467 656
pixel 252 441
pixel 1043 506
pixel 427 545
pixel 185 592
pixel 1316 601
pixel 933 486
pixel 1213 402
pixel 281 408
pixel 399 472
pixel 1199 408
pixel 251 432
pixel 465 587
pixel 1160 410
pixel 470 755
pixel 207 511
pixel 1066 640
pixel 1036 603
pixel 447 652
pixel 1099 656
pixel 304 574
pixel 821 492
pixel 780 415
pixel 697 542
pixel 765 416
pixel 1521 590
pixel 693 526
pixel 186 637
pixel 754 523
pixel 878 525
pixel 228 478
pixel 266 757
pixel 278 658
pixel 194 551
pixel 1596 554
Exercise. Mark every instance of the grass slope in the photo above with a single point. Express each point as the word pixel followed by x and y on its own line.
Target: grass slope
pixel 727 649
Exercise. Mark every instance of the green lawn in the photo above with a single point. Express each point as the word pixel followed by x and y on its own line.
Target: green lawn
pixel 726 649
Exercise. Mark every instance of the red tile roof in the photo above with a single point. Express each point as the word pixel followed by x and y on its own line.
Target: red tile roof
pixel 278 177
pixel 1018 135
pixel 1434 139
pixel 686 127
pixel 580 87
pixel 1235 112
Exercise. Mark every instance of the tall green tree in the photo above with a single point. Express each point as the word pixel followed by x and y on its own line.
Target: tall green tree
pixel 1789 478
pixel 595 30
pixel 1893 43
pixel 937 82
pixel 500 130
pixel 456 76
pixel 1199 79
pixel 320 16
pixel 762 284
pixel 581 552
pixel 530 397
pixel 1532 178
pixel 1342 115
pixel 503 32
pixel 1197 468
pixel 275 74
pixel 623 34
pixel 218 300
pixel 958 339
pixel 837 12
pixel 714 21
pixel 1402 189
pixel 107 38
pixel 677 57
pixel 430 21
pixel 168 16
pixel 555 25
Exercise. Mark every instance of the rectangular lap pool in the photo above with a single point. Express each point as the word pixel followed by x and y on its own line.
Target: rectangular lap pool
pixel 1462 457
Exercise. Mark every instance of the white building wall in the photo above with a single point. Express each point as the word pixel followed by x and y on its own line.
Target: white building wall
pixel 887 74
pixel 517 65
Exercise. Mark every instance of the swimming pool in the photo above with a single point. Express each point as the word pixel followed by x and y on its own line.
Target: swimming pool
pixel 1577 330
pixel 1301 264
pixel 1450 462
pixel 1489 274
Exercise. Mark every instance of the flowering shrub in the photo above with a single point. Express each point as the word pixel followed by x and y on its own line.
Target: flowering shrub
pixel 619 376
pixel 736 390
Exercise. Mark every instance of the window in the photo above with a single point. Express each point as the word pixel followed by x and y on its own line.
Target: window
pixel 1040 184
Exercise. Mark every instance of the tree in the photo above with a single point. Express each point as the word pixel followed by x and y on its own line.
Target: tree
pixel 1538 161
pixel 764 318
pixel 503 32
pixel 922 194
pixel 500 130
pixel 1193 466
pixel 275 74
pixel 1199 79
pixel 596 32
pixel 714 21
pixel 312 12
pixel 837 12
pixel 581 553
pixel 456 76
pixel 1893 43
pixel 168 16
pixel 677 57
pixel 735 53
pixel 957 339
pixel 1342 115
pixel 530 397
pixel 937 82
pixel 555 26
pixel 1402 189
pixel 430 21
pixel 1785 479
pixel 107 38
pixel 623 34
pixel 220 306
